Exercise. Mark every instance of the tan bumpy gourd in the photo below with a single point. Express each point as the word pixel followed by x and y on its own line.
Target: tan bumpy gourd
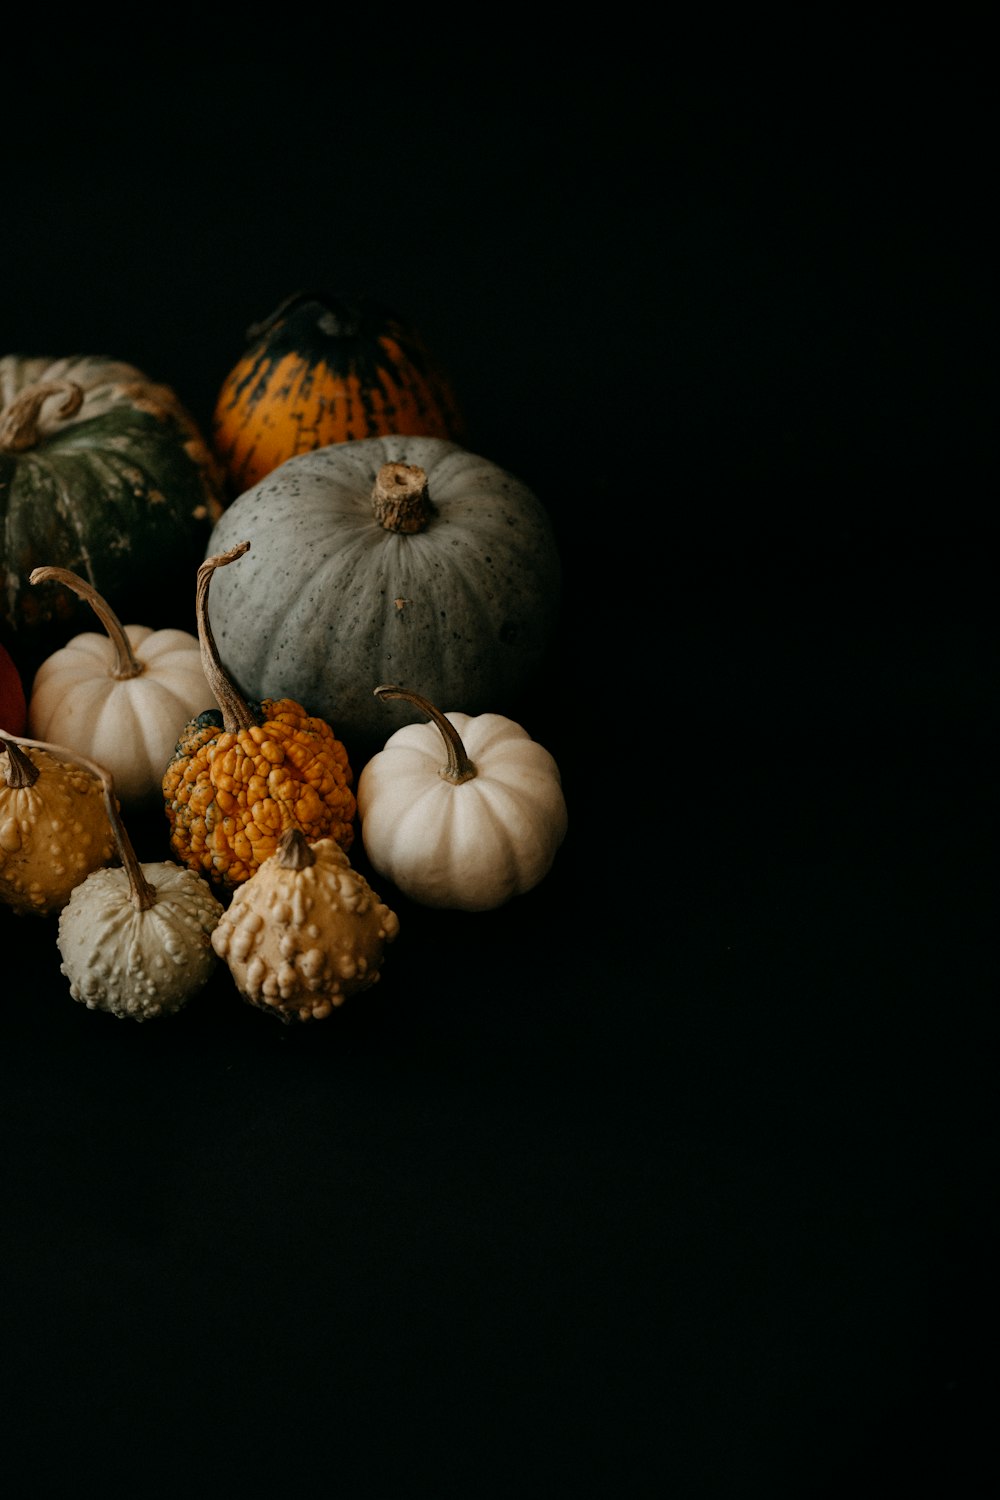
pixel 54 826
pixel 305 931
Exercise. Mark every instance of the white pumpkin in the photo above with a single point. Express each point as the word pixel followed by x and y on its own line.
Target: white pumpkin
pixel 123 698
pixel 463 812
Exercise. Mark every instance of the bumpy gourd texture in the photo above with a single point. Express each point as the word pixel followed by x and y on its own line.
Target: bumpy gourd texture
pixel 229 796
pixel 132 963
pixel 299 942
pixel 52 835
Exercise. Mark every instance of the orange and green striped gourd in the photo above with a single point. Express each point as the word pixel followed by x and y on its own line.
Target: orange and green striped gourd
pixel 324 370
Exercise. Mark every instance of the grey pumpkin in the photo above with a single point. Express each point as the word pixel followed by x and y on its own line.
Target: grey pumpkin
pixel 408 558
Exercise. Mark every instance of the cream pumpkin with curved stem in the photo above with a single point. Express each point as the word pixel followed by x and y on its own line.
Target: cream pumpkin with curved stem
pixel 135 940
pixel 462 812
pixel 122 698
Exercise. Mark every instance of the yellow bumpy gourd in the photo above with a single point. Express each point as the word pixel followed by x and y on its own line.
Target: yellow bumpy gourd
pixel 54 827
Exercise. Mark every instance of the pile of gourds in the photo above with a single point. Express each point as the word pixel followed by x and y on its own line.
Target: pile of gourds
pixel 331 564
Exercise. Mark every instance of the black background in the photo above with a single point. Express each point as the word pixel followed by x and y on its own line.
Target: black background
pixel 679 1171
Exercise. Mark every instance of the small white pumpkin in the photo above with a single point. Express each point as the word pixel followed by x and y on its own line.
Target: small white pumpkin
pixel 136 940
pixel 463 812
pixel 122 698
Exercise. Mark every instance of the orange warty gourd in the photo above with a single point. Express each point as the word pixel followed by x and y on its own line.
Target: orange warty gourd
pixel 324 370
pixel 242 775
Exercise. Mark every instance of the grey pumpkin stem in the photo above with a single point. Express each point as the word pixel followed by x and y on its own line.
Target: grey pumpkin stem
pixel 459 767
pixel 401 499
pixel 126 663
pixel 19 421
pixel 236 712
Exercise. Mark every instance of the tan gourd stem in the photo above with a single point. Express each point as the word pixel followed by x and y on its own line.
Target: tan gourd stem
pixel 236 714
pixel 19 421
pixel 459 767
pixel 400 498
pixel 293 851
pixel 126 665
pixel 21 769
pixel 143 894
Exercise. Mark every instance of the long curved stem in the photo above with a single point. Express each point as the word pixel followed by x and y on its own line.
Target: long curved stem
pixel 142 892
pixel 126 664
pixel 236 712
pixel 459 767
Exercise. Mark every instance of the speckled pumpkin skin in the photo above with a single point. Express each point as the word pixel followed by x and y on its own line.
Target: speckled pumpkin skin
pixel 327 604
pixel 124 492
pixel 327 370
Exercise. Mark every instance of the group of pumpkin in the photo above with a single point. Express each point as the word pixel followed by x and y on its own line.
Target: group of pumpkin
pixel 366 537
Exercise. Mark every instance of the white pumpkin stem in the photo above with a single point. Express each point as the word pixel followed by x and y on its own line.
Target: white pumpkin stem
pixel 236 713
pixel 21 769
pixel 400 498
pixel 126 663
pixel 19 421
pixel 459 767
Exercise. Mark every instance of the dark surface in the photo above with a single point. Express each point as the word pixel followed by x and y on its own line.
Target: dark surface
pixel 680 1170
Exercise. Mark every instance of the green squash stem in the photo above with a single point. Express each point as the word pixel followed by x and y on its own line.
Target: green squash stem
pixel 400 498
pixel 19 421
pixel 459 767
pixel 236 712
pixel 341 319
pixel 126 663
